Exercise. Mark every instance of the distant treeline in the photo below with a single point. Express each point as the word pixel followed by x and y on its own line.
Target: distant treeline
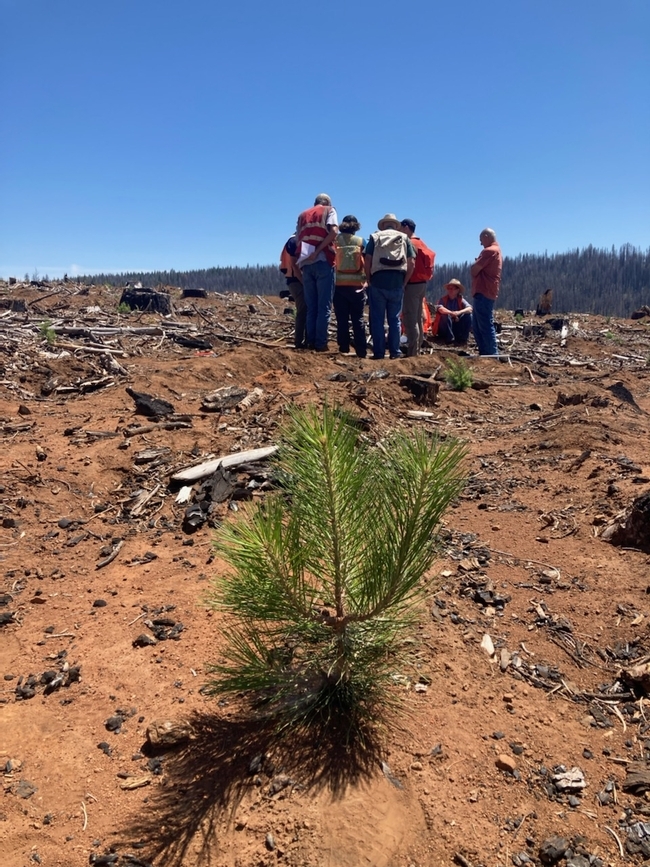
pixel 607 282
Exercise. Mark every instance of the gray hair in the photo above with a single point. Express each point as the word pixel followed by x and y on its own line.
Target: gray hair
pixel 490 233
pixel 322 199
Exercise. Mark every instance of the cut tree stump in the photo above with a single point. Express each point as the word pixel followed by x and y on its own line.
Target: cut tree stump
pixel 424 390
pixel 632 529
pixel 147 300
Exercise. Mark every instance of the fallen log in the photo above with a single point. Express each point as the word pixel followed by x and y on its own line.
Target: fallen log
pixel 177 424
pixel 201 471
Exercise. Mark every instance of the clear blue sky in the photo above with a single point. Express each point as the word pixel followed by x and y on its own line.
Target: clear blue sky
pixel 139 135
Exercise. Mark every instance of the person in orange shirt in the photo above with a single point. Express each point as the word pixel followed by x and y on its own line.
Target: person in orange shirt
pixel 415 290
pixel 486 279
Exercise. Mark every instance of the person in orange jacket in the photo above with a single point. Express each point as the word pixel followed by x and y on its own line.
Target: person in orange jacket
pixel 415 289
pixel 294 289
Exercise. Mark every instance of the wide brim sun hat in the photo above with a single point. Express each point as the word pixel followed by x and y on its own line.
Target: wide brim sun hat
pixel 389 221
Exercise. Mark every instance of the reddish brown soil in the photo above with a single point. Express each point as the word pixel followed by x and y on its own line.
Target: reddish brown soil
pixel 205 808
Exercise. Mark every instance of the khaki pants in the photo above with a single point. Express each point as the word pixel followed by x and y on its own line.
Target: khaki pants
pixel 412 316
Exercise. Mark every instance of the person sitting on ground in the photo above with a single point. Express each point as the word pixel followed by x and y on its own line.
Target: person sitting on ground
pixel 350 285
pixel 454 314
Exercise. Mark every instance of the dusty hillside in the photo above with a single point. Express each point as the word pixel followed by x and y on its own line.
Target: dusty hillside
pixel 96 554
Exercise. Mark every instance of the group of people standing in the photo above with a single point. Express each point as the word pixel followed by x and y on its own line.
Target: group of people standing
pixel 326 262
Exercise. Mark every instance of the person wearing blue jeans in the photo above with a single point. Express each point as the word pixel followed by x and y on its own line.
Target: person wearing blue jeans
pixel 483 325
pixel 385 305
pixel 318 286
pixel 486 279
pixel 316 232
pixel 389 261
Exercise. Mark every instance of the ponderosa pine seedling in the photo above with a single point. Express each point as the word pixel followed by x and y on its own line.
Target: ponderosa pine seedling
pixel 325 573
pixel 458 375
pixel 47 332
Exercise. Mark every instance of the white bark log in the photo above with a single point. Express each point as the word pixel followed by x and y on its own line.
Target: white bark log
pixel 201 471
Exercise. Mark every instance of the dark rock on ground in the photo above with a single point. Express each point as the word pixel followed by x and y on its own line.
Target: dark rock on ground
pixel 553 849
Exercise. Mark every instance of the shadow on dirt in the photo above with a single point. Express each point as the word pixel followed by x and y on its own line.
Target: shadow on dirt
pixel 204 783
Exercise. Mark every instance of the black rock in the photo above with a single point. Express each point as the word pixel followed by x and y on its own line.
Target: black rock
pixel 24 789
pixel 578 861
pixel 553 849
pixel 573 801
pixel 587 754
pixel 146 404
pixel 105 748
pixel 194 517
pixel 114 724
pixel 54 684
pixel 144 640
pixel 74 675
pixel 155 765
pixel 256 764
pixel 104 860
pixel 100 603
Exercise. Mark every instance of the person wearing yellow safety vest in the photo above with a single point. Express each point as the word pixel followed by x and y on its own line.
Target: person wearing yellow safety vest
pixel 350 286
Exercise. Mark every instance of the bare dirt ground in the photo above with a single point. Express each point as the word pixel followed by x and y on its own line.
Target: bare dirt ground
pixel 468 775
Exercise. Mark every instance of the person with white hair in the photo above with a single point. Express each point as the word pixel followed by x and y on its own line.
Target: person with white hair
pixel 486 279
pixel 316 232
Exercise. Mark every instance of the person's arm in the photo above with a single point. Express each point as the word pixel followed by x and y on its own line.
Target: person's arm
pixel 367 265
pixel 329 239
pixel 480 263
pixel 410 266
pixel 296 268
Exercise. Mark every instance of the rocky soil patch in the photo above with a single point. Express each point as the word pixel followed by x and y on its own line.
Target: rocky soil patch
pixel 128 437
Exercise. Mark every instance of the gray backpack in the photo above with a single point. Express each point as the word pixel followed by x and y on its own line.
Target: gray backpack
pixel 390 251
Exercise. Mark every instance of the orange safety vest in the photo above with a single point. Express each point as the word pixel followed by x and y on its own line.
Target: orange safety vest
pixel 286 265
pixel 312 228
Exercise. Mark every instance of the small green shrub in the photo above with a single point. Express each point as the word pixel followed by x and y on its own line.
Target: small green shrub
pixel 458 375
pixel 519 317
pixel 124 308
pixel 47 332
